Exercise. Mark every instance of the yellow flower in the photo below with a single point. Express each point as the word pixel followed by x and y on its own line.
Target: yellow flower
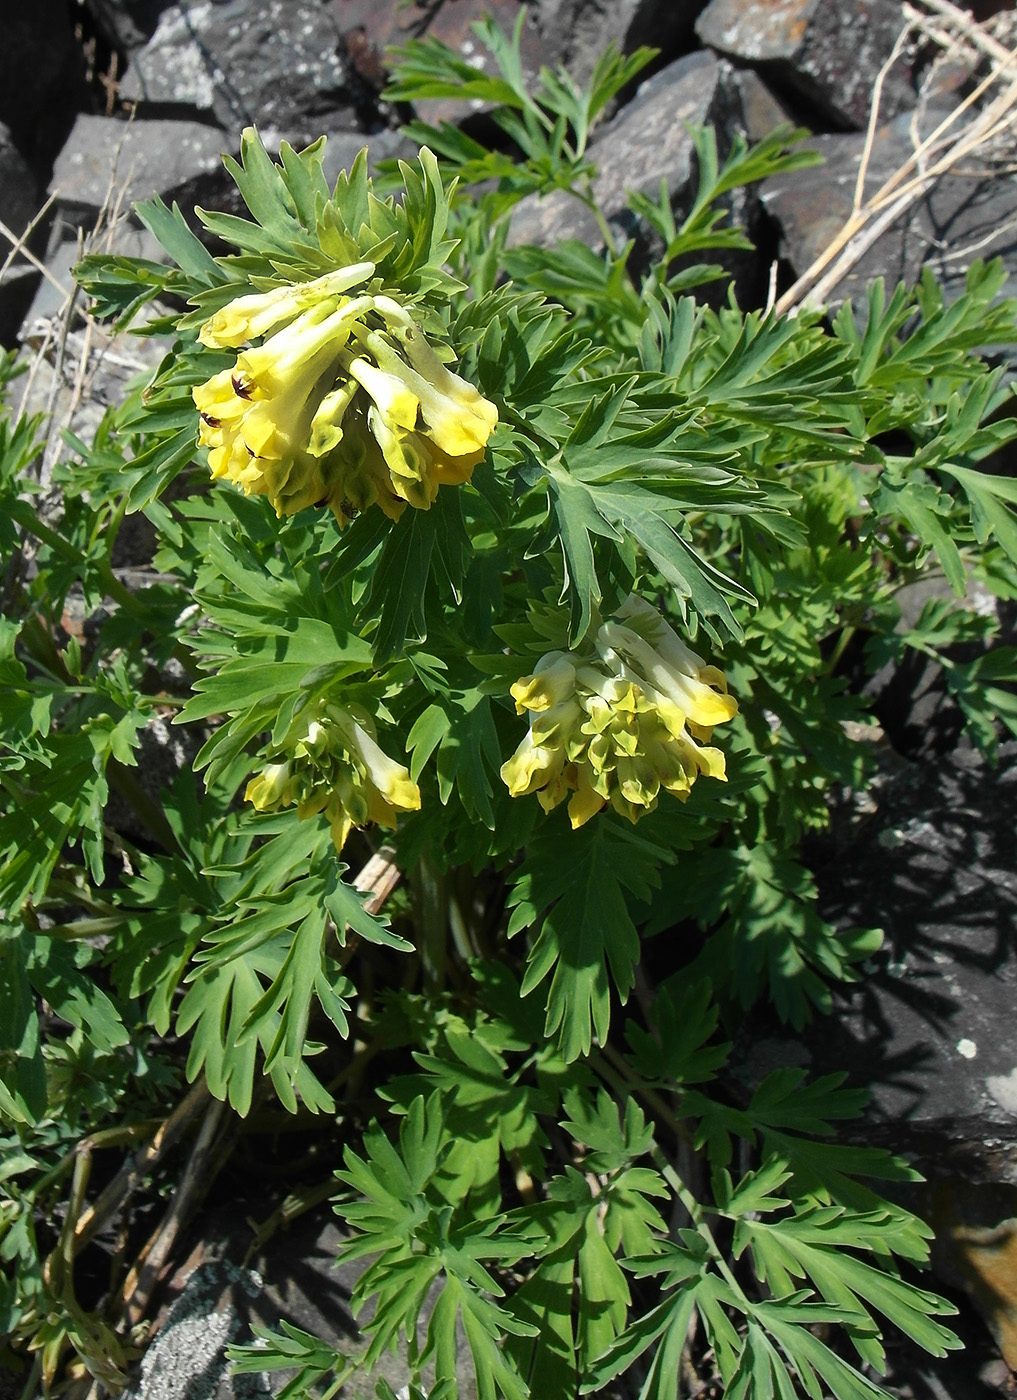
pixel 554 677
pixel 357 475
pixel 247 317
pixel 664 661
pixel 618 726
pixel 396 402
pixel 326 424
pixel 327 411
pixel 334 766
pixel 456 416
pixel 271 788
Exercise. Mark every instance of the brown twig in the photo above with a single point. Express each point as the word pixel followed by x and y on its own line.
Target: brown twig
pixel 141 1280
pixel 133 1172
pixel 378 879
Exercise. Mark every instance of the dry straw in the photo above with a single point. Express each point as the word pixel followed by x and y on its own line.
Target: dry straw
pixel 978 128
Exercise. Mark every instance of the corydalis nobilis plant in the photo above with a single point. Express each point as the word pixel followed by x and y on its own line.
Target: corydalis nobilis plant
pixel 731 467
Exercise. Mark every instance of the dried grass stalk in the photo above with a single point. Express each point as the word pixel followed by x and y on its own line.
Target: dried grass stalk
pixel 970 131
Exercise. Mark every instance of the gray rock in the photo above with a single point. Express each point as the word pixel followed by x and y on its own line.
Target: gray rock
pixel 369 30
pixel 106 160
pixel 276 65
pixel 761 111
pixel 343 147
pixel 78 371
pixel 645 143
pixel 293 1277
pixel 125 239
pixel 126 25
pixel 963 217
pixel 829 51
pixel 187 1359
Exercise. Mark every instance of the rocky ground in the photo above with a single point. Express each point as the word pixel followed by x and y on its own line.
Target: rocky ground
pixel 105 101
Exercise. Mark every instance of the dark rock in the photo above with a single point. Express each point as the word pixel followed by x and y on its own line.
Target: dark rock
pixel 761 112
pixel 126 25
pixel 19 204
pixel 645 143
pixel 829 52
pixel 963 217
pixel 575 32
pixel 242 63
pixel 41 76
pixel 18 286
pixel 19 192
pixel 931 1029
pixel 106 160
pixel 369 30
pixel 909 696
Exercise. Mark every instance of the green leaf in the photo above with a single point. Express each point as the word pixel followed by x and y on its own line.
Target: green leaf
pixel 573 884
pixel 990 498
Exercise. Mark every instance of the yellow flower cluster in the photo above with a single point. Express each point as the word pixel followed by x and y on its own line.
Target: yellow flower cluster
pixel 345 403
pixel 617 726
pixel 332 764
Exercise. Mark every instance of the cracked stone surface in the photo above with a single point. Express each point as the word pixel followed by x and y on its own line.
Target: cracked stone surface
pixel 277 65
pixel 828 51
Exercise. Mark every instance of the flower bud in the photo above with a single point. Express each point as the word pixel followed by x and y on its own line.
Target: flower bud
pixel 334 766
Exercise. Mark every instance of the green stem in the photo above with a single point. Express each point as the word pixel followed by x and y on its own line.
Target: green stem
pixel 433 905
pixel 84 928
pixel 47 535
pixel 627 1083
pixel 76 1199
pixel 697 1216
pixel 586 197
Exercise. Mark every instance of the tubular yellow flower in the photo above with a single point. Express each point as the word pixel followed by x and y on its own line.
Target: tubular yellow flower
pixel 532 766
pixel 257 313
pixel 271 788
pixel 554 678
pixel 407 459
pixel 333 765
pixel 455 414
pixel 618 726
pixel 396 402
pixel 357 475
pixel 326 424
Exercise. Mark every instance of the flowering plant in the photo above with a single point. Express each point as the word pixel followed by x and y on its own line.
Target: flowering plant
pixel 502 598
